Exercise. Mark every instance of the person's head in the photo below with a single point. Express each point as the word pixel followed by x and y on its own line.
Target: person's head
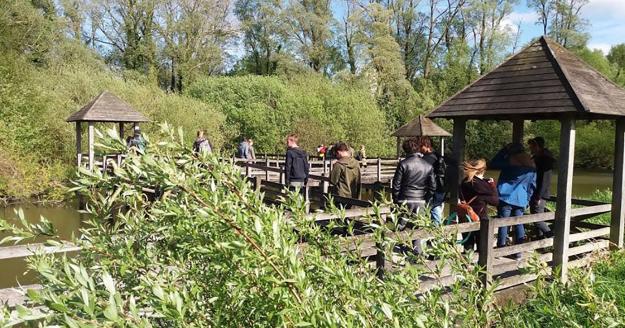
pixel 137 130
pixel 250 141
pixel 362 147
pixel 410 146
pixel 425 145
pixel 342 150
pixel 474 168
pixel 536 145
pixel 292 140
pixel 200 134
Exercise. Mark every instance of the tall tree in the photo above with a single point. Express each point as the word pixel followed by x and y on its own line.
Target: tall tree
pixel 562 21
pixel 616 56
pixel 127 27
pixel 194 34
pixel 308 25
pixel 262 38
pixel 543 8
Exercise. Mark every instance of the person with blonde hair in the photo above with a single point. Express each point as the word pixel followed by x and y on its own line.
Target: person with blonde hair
pixel 479 192
pixel 516 185
pixel 201 144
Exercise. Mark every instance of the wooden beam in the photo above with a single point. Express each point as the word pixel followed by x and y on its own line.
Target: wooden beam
pixel 485 260
pixel 78 143
pixel 90 137
pixel 617 231
pixel 563 204
pixel 456 175
pixel 518 131
pixel 121 131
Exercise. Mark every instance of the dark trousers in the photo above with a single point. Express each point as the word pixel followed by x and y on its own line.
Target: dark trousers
pixel 539 207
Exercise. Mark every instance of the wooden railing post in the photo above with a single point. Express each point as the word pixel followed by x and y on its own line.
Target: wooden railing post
pixel 267 165
pixel 617 225
pixel 307 197
pixel 325 185
pixel 487 239
pixel 380 257
pixel 248 170
pixel 562 222
pixel 379 169
pixel 257 183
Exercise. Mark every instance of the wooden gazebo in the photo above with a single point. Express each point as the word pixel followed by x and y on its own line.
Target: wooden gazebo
pixel 545 81
pixel 420 126
pixel 105 108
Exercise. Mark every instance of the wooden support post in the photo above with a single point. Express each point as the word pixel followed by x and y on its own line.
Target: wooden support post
pixel 398 147
pixel 380 257
pixel 78 144
pixel 266 170
pixel 379 170
pixel 248 170
pixel 456 172
pixel 257 183
pixel 283 177
pixel 121 131
pixel 90 137
pixel 325 168
pixel 485 248
pixel 517 131
pixel 307 197
pixel 563 203
pixel 325 184
pixel 617 225
pixel 442 146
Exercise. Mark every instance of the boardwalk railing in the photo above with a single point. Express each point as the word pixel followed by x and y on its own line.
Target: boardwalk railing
pixel 584 239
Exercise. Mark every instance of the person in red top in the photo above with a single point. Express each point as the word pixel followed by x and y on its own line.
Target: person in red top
pixel 480 192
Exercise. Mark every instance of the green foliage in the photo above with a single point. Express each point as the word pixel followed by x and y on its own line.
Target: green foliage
pixel 205 251
pixel 591 298
pixel 268 108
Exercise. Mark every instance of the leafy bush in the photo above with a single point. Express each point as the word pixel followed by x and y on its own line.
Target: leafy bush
pixel 320 111
pixel 203 250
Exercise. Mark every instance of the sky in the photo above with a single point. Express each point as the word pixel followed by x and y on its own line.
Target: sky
pixel 606 20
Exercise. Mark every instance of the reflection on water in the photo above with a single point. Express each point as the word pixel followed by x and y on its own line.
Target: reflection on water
pixel 66 220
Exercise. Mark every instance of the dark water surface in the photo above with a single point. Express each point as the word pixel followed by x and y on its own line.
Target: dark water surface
pixel 68 221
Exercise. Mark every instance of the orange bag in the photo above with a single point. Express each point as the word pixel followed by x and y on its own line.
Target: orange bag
pixel 464 210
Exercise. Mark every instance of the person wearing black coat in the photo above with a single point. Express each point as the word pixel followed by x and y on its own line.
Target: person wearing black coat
pixel 296 166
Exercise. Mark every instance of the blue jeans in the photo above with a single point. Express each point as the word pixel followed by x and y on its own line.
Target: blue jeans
pixel 505 211
pixel 436 213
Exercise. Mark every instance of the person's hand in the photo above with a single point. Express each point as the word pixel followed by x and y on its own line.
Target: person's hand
pixel 491 182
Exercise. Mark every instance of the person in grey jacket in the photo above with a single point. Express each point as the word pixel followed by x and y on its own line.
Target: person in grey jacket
pixel 414 182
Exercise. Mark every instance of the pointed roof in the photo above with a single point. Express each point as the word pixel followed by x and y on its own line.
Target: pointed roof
pixel 107 107
pixel 542 81
pixel 421 126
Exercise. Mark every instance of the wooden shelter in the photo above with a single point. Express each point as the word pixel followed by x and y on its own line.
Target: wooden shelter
pixel 545 81
pixel 420 126
pixel 105 108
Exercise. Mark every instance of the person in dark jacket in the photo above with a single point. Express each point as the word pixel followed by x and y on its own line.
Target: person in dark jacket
pixel 438 164
pixel 544 164
pixel 480 192
pixel 345 174
pixel 516 185
pixel 296 164
pixel 414 182
pixel 243 149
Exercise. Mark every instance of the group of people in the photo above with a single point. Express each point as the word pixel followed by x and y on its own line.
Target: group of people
pixel 344 176
pixel 524 182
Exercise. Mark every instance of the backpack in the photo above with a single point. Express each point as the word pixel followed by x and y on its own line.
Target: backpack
pixel 464 210
pixel 440 169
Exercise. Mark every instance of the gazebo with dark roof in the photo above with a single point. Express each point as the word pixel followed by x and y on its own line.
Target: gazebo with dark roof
pixel 420 126
pixel 545 81
pixel 105 108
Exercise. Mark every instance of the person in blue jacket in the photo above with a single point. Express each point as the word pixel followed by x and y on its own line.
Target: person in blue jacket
pixel 516 185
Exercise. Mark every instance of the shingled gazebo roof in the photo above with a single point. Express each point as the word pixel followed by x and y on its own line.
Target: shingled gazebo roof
pixel 421 126
pixel 107 107
pixel 542 81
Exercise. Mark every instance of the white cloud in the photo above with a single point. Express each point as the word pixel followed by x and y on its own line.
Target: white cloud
pixel 604 9
pixel 605 47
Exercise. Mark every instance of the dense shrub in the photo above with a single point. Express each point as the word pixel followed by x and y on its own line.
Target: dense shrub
pixel 206 252
pixel 320 111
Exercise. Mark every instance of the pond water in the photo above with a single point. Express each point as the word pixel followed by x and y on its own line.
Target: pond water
pixel 67 220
